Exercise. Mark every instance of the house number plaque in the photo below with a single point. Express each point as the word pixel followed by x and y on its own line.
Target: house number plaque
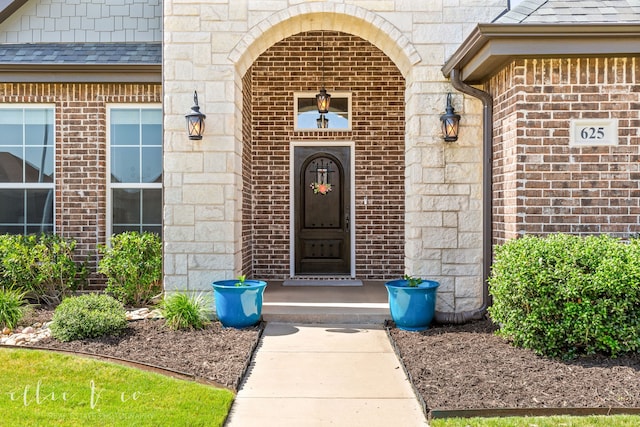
pixel 589 132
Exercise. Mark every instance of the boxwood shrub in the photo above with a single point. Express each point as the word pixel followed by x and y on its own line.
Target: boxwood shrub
pixel 88 316
pixel 133 267
pixel 41 266
pixel 566 295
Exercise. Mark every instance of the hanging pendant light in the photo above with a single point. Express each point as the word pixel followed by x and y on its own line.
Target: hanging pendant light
pixel 323 99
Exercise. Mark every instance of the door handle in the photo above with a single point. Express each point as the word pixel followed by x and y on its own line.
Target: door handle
pixel 346 222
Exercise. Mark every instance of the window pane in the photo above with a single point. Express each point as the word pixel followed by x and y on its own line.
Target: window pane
pixel 39 229
pixel 12 207
pixel 125 127
pixel 151 127
pixel 152 206
pixel 40 207
pixel 338 115
pixel 11 127
pixel 117 229
pixel 39 164
pixel 152 164
pixel 38 127
pixel 153 229
pixel 11 164
pixel 125 164
pixel 126 206
pixel 11 229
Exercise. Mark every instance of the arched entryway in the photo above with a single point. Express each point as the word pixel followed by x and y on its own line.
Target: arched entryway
pixel 375 136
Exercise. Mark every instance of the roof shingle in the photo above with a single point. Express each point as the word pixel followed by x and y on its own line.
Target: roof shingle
pixel 82 53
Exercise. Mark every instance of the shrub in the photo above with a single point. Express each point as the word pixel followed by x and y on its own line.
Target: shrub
pixel 566 295
pixel 133 266
pixel 41 266
pixel 184 312
pixel 88 316
pixel 13 306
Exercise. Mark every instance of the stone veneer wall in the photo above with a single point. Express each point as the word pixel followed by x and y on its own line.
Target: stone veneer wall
pixel 210 47
pixel 541 184
pixel 376 86
pixel 81 150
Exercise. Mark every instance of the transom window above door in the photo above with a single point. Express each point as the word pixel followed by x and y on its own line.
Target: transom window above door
pixel 306 116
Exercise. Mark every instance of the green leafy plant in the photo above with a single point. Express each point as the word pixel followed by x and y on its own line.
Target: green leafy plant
pixel 13 306
pixel 133 267
pixel 88 316
pixel 42 266
pixel 186 312
pixel 412 282
pixel 567 295
pixel 242 280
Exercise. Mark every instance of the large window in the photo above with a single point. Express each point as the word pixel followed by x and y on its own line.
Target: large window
pixel 135 163
pixel 27 153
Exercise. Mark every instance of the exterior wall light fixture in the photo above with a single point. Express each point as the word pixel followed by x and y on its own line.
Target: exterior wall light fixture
pixel 450 122
pixel 195 120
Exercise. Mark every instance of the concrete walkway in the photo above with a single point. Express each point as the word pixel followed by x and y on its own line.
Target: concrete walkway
pixel 325 375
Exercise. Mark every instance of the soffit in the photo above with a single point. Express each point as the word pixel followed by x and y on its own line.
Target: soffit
pixel 490 46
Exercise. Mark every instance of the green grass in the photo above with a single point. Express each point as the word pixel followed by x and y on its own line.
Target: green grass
pixel 561 421
pixel 39 388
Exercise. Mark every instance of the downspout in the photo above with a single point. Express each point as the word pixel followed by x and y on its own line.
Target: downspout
pixel 487 202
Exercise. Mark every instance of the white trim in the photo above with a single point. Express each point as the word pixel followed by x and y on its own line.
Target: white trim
pixel 109 184
pixel 312 95
pixel 352 199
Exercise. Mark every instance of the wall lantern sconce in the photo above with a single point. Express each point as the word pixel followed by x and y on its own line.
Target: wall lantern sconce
pixel 195 120
pixel 323 99
pixel 450 122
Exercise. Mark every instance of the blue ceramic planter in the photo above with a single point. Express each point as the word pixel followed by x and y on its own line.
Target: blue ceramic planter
pixel 238 306
pixel 412 308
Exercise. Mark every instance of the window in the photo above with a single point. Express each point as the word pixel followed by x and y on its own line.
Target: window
pixel 27 153
pixel 308 118
pixel 135 165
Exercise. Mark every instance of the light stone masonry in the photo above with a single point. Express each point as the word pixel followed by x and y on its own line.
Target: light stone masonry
pixel 209 46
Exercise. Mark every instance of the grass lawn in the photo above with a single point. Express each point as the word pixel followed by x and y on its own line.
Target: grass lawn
pixel 39 388
pixel 594 421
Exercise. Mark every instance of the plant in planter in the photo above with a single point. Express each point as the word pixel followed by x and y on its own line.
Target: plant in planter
pixel 238 302
pixel 412 302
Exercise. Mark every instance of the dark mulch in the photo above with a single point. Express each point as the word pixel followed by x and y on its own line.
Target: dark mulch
pixel 468 366
pixel 215 354
pixel 452 367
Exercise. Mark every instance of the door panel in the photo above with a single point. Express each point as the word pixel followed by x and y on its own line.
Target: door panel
pixel 322 202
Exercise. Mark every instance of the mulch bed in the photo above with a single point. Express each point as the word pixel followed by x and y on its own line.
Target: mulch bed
pixel 451 366
pixel 215 354
pixel 468 366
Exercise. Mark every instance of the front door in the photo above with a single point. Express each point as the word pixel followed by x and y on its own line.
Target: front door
pixel 322 189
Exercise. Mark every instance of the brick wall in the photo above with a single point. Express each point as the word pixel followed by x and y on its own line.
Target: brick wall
pixel 377 87
pixel 80 163
pixel 541 184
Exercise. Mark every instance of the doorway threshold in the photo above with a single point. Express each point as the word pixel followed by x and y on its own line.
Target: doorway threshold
pixel 316 281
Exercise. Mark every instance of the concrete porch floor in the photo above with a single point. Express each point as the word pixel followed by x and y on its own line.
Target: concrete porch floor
pixel 364 305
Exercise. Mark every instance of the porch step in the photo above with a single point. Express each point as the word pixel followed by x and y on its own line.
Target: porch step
pixel 327 313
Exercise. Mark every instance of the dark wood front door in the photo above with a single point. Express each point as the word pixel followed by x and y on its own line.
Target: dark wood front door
pixel 322 188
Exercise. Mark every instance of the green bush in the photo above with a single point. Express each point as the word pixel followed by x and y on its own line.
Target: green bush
pixel 88 316
pixel 133 266
pixel 13 306
pixel 184 312
pixel 567 295
pixel 41 266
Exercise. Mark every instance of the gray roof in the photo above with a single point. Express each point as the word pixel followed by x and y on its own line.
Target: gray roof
pixel 82 53
pixel 572 11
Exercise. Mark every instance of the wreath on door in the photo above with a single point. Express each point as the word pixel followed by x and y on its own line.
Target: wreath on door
pixel 320 187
